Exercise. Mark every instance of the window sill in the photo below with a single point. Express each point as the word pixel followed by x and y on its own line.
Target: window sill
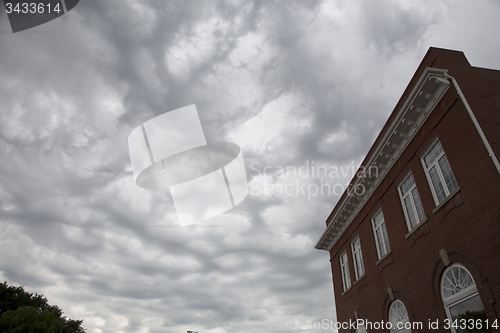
pixel 359 279
pixel 416 228
pixel 384 257
pixel 346 291
pixel 448 198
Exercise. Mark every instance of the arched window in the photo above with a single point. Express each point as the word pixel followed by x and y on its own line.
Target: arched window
pixel 398 317
pixel 460 297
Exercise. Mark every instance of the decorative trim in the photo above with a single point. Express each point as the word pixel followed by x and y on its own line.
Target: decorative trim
pixel 390 293
pixel 427 92
pixel 444 257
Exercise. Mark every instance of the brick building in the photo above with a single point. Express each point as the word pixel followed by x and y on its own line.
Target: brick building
pixel 416 238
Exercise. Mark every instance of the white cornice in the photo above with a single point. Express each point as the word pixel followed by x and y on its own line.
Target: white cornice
pixel 428 91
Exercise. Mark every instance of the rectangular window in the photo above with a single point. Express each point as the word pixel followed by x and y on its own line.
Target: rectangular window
pixel 439 174
pixel 344 267
pixel 380 232
pixel 357 257
pixel 412 206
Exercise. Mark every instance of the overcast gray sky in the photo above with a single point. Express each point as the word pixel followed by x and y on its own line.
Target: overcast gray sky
pixel 293 83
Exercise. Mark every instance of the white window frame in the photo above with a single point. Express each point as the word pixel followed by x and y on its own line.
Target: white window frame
pixel 438 168
pixel 383 229
pixel 413 204
pixel 344 269
pixel 398 318
pixel 357 258
pixel 459 297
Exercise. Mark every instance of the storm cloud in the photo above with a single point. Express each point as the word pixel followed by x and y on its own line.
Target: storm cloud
pixel 293 83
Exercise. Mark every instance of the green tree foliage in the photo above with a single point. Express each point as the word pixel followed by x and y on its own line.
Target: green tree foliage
pixel 21 311
pixel 30 320
pixel 474 317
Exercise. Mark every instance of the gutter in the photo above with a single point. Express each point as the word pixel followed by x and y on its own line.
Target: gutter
pixel 474 120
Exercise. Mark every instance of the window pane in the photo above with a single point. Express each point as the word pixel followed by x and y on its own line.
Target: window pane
pixel 433 154
pixel 356 264
pixel 344 279
pixel 355 245
pixel 380 242
pixel 386 238
pixel 470 309
pixel 359 268
pixel 418 204
pixel 448 176
pixel 379 219
pixel 456 279
pixel 344 266
pixel 410 212
pixel 398 315
pixel 407 185
pixel 359 264
pixel 380 234
pixel 438 186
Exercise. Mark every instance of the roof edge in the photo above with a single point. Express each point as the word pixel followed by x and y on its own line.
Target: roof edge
pixel 425 95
